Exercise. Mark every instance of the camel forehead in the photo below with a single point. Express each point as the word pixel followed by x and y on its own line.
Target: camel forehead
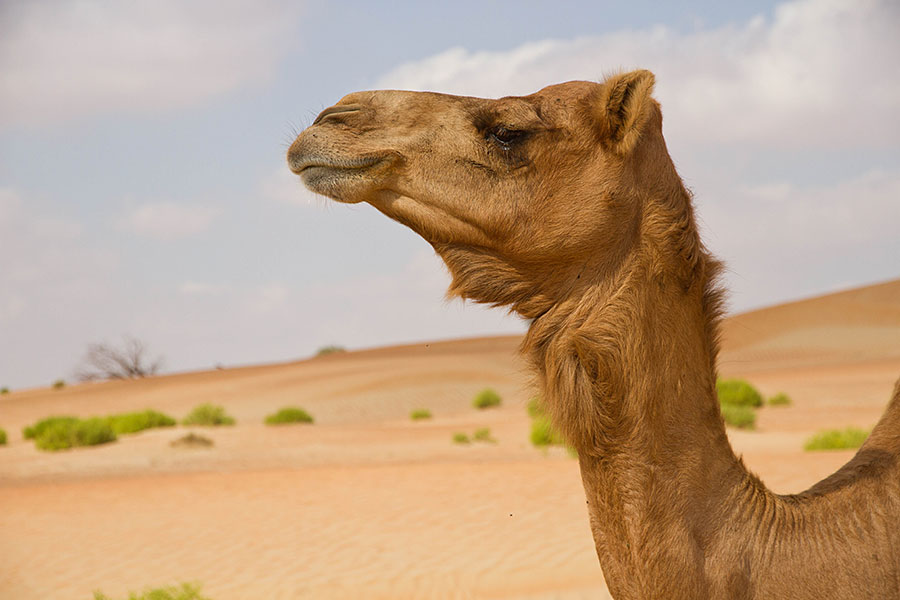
pixel 553 103
pixel 564 94
pixel 569 91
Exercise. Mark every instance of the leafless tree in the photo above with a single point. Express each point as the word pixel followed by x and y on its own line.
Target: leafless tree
pixel 128 361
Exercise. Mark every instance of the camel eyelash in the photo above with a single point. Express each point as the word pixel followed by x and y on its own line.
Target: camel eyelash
pixel 505 136
pixel 489 125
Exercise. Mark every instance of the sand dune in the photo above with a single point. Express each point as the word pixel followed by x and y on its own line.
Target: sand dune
pixel 366 503
pixel 857 325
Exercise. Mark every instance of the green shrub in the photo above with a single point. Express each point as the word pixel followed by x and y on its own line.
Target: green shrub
pixel 208 414
pixel 289 414
pixel 461 438
pixel 837 439
pixel 419 414
pixel 139 421
pixel 63 434
pixel 483 435
pixel 4 390
pixel 58 433
pixel 59 384
pixel 2 437
pixel 38 428
pixel 332 349
pixel 739 415
pixel 739 392
pixel 543 433
pixel 780 399
pixel 185 591
pixel 486 398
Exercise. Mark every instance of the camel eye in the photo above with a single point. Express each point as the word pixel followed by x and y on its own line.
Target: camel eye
pixel 503 136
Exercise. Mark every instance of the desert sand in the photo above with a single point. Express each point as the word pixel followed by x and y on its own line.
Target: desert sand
pixel 367 503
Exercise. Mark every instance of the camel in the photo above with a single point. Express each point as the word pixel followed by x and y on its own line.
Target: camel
pixel 565 207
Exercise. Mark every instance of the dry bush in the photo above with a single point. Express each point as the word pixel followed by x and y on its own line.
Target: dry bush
pixel 128 361
pixel 192 440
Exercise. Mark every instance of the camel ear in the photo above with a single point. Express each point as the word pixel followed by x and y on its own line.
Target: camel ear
pixel 624 107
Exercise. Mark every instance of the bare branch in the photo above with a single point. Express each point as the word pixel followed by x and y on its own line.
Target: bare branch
pixel 128 361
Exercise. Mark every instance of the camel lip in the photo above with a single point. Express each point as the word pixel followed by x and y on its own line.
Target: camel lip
pixel 336 178
pixel 302 164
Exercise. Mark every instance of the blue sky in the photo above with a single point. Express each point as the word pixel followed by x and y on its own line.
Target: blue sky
pixel 143 188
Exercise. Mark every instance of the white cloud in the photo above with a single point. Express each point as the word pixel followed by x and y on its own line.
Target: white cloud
pixel 168 220
pixel 821 72
pixel 76 58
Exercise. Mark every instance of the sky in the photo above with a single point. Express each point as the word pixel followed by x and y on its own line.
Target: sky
pixel 144 189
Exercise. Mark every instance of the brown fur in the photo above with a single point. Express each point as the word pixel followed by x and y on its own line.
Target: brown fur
pixel 565 206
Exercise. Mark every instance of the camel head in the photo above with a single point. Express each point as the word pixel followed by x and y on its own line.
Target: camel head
pixel 525 198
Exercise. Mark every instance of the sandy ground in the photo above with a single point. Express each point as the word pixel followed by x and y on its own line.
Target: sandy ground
pixel 366 503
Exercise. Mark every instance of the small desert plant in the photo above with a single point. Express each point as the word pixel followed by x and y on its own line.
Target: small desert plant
pixel 191 440
pixel 486 398
pixel 543 433
pixel 139 421
pixel 483 435
pixel 739 392
pixel 63 434
pixel 331 349
pixel 186 591
pixel 837 439
pixel 36 430
pixel 208 414
pixel 780 399
pixel 419 414
pixel 289 414
pixel 461 438
pixel 4 390
pixel 59 384
pixel 739 415
pixel 2 437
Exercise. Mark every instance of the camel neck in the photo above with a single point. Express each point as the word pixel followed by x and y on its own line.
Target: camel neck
pixel 628 373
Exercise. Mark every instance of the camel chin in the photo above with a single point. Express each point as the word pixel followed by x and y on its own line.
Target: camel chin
pixel 347 180
pixel 346 185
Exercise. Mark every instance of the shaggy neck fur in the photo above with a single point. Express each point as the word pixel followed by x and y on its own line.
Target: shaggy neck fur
pixel 628 372
pixel 625 357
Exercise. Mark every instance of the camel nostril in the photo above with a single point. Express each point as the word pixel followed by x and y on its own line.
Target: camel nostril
pixel 335 110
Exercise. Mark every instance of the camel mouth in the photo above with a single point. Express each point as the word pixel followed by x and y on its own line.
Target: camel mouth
pixel 339 179
pixel 304 165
